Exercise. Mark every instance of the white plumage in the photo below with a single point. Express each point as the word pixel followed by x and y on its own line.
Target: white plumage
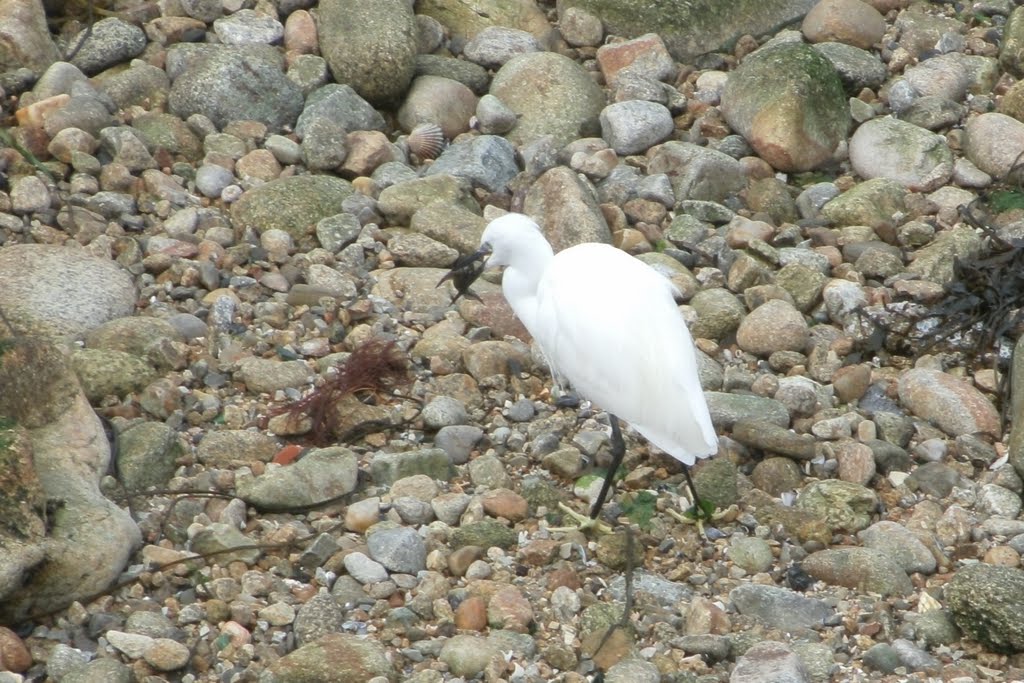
pixel 608 323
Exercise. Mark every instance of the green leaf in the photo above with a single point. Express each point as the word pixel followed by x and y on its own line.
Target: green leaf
pixel 704 512
pixel 640 508
pixel 1006 200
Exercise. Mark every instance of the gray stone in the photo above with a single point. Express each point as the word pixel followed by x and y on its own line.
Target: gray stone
pixel 780 607
pixel 955 406
pixel 467 655
pixel 495 45
pixel 211 179
pixel 914 658
pixel 319 616
pixel 857 68
pixel 719 313
pixel 27 40
pixel 59 453
pixel 697 173
pixel 400 550
pixel 232 84
pixel 487 533
pixel 632 670
pixel 934 261
pixel 936 627
pixel 105 373
pixel 787 101
pixel 363 569
pixel 493 117
pixel 633 126
pixel 487 470
pixel 882 657
pixel 727 409
pixel 846 506
pixel 551 94
pixel 571 214
pixel 246 27
pixel 387 468
pixel 751 553
pixel 341 104
pixel 863 569
pixel 986 601
pixel 225 448
pixel 227 542
pixel 899 543
pixel 354 34
pixel 323 144
pixel 295 205
pixel 147 456
pixel 769 661
pixel 444 411
pixel 486 161
pixel 263 375
pixel 890 148
pixel 61 291
pixel 775 325
pixel 111 41
pixel 998 501
pixel 473 76
pixel 103 670
pixel 323 474
pixel 872 202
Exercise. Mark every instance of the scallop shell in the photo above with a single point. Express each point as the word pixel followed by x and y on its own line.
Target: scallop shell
pixel 426 140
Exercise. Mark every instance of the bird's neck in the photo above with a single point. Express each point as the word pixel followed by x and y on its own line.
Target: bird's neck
pixel 519 285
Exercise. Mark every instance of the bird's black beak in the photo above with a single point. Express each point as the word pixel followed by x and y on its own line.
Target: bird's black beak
pixel 465 271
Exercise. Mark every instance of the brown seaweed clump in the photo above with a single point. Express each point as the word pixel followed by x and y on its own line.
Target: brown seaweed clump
pixel 980 313
pixel 372 371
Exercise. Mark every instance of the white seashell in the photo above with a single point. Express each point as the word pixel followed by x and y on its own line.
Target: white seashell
pixel 426 140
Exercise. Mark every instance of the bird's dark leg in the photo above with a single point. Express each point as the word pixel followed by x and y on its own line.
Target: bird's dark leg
pixel 618 448
pixel 693 490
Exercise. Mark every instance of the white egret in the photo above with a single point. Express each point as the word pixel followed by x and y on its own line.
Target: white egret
pixel 607 323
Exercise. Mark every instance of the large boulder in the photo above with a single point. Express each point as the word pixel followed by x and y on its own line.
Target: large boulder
pixel 71 542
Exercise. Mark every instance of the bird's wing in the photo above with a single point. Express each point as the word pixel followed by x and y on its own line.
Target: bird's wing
pixel 609 324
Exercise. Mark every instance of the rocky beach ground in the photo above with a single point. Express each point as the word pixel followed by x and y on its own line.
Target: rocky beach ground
pixel 212 209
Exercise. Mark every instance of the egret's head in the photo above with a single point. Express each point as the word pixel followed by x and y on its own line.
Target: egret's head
pixel 508 240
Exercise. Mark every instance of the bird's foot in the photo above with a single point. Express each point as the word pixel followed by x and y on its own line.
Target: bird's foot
pixel 584 523
pixel 703 512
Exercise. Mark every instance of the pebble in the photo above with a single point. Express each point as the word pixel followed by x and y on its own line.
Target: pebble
pixel 467 655
pixel 399 550
pixel 444 411
pixel 862 568
pixel 900 544
pixel 246 27
pixel 167 655
pixel 955 406
pixel 779 607
pixel 364 570
pixel 635 125
pixel 495 45
pixel 774 326
pixel 769 661
pixel 14 656
pixel 751 553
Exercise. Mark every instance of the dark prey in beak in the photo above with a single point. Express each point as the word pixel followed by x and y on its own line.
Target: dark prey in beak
pixel 465 271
